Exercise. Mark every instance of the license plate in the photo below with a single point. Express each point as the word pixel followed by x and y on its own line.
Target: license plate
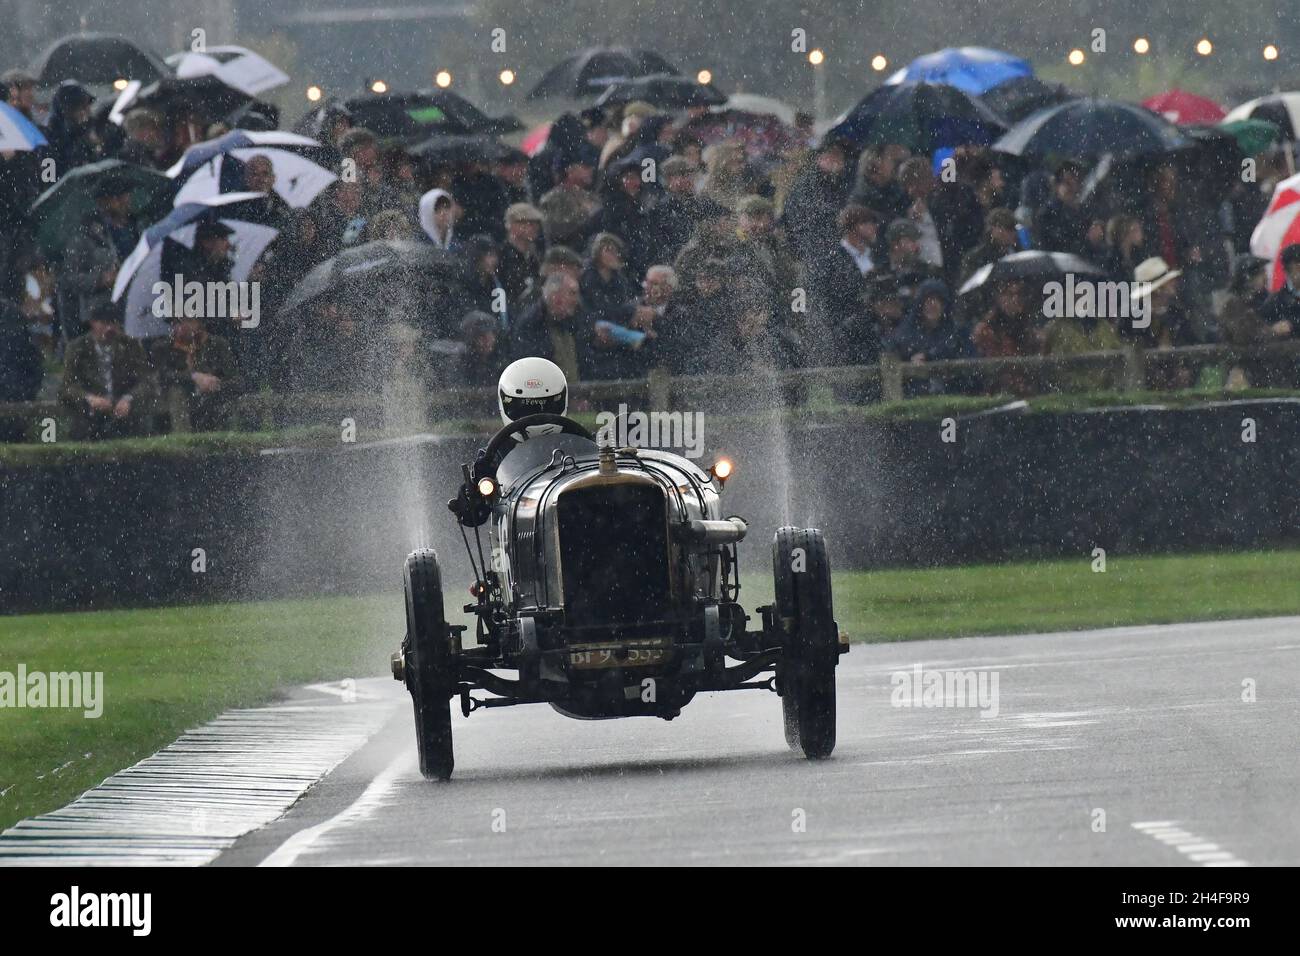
pixel 630 654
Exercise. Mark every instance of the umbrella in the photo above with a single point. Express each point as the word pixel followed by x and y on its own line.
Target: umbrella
pixel 59 211
pixel 235 66
pixel 1023 96
pixel 924 117
pixel 535 139
pixel 314 122
pixel 1090 128
pixel 662 90
pixel 410 116
pixel 398 263
pixel 217 165
pixel 1183 108
pixel 1280 109
pixel 1254 136
pixel 760 106
pixel 763 136
pixel 248 243
pixel 589 71
pixel 238 139
pixel 1278 228
pixel 17 132
pixel 1033 265
pixel 1212 160
pixel 225 205
pixel 972 69
pixel 97 59
pixel 206 96
pixel 472 119
pixel 459 149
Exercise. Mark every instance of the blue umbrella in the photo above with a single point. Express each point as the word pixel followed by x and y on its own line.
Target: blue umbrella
pixel 17 132
pixel 972 69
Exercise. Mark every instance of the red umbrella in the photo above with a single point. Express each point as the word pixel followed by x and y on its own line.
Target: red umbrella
pixel 1185 109
pixel 1279 228
pixel 536 139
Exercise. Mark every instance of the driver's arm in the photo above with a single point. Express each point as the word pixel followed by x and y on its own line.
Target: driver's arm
pixel 468 506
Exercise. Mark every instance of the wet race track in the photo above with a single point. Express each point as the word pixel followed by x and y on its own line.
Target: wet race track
pixel 1122 747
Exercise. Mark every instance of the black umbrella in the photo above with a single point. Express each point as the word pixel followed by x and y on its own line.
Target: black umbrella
pixel 664 91
pixel 473 119
pixel 410 115
pixel 406 264
pixel 97 59
pixel 1034 266
pixel 204 96
pixel 1088 129
pixel 314 123
pixel 1212 161
pixel 1020 97
pixel 590 71
pixel 59 211
pixel 459 149
pixel 924 117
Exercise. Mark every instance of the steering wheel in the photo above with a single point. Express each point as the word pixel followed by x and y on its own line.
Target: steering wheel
pixel 497 447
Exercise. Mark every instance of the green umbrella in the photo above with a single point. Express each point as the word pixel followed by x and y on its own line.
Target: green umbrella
pixel 58 212
pixel 1252 135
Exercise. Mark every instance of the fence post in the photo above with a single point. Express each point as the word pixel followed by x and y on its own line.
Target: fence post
pixel 1135 371
pixel 176 403
pixel 659 385
pixel 891 378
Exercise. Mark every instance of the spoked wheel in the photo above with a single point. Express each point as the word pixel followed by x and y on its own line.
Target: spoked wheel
pixel 430 663
pixel 805 615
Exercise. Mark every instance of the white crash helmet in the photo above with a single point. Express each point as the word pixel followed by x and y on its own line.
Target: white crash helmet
pixel 531 386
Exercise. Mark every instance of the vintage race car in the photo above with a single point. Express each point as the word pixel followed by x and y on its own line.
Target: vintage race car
pixel 608 585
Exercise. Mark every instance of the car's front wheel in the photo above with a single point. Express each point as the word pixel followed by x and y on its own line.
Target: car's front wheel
pixel 805 615
pixel 430 668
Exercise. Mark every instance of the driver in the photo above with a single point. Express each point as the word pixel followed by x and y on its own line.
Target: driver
pixel 532 386
pixel 529 386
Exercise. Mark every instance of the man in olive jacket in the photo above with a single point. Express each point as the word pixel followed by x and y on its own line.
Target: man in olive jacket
pixel 108 383
pixel 201 367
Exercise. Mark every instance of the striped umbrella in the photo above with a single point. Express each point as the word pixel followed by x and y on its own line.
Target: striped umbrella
pixel 216 166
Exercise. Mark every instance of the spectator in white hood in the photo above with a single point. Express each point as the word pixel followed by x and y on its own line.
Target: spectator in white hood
pixel 438 214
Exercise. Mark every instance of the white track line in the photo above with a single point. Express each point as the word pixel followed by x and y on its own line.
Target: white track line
pixel 366 804
pixel 1197 849
pixel 193 799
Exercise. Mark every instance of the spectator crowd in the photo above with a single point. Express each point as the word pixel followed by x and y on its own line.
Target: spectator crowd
pixel 625 244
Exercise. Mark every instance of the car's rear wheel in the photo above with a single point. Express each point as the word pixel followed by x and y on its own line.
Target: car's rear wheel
pixel 805 616
pixel 430 663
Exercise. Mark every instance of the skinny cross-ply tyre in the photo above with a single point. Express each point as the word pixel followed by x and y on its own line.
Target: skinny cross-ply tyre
pixel 805 613
pixel 430 664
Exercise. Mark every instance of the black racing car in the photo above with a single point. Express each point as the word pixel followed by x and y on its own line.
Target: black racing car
pixel 608 584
